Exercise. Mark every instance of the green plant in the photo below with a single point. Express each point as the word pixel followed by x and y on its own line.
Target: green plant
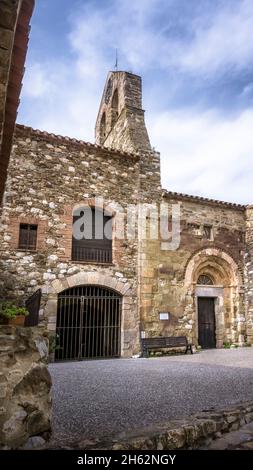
pixel 54 343
pixel 226 345
pixel 9 310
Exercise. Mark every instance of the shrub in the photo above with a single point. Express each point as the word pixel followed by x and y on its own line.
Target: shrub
pixel 229 345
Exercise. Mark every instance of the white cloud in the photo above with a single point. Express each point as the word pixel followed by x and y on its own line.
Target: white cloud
pixel 36 81
pixel 95 39
pixel 206 154
pixel 247 91
pixel 58 99
pixel 221 38
pixel 203 152
pixel 225 42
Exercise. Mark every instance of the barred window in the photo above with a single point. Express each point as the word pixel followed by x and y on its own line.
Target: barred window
pixel 92 236
pixel 27 237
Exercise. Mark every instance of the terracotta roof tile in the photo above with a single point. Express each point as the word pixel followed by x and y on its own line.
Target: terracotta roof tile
pixel 50 137
pixel 175 195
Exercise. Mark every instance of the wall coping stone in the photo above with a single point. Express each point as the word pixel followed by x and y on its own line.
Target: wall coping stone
pixel 192 432
pixel 29 132
pixel 214 202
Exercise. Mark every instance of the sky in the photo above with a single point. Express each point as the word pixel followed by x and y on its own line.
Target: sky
pixel 196 62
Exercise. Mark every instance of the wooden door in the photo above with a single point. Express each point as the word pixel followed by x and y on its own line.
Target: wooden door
pixel 206 322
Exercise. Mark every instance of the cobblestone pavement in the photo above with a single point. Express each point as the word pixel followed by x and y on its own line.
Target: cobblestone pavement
pixel 236 440
pixel 97 398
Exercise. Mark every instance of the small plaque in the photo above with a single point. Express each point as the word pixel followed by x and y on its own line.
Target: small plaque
pixel 164 315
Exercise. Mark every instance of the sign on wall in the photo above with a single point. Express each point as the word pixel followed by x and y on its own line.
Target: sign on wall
pixel 164 315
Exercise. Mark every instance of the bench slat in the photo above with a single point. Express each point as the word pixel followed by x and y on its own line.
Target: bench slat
pixel 154 341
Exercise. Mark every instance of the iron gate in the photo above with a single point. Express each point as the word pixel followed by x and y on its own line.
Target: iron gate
pixel 88 323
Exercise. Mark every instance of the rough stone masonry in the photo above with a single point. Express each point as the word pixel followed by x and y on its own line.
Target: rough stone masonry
pixel 15 16
pixel 162 292
pixel 25 386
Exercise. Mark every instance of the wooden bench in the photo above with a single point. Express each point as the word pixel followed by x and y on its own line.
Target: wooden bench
pixel 162 342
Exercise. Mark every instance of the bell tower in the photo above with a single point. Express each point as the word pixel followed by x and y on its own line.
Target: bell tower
pixel 120 122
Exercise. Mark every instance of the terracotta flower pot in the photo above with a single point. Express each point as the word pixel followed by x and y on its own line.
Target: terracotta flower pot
pixel 19 320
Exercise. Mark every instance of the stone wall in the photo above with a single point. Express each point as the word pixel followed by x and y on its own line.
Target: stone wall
pixel 129 132
pixel 168 277
pixel 25 385
pixel 14 29
pixel 125 126
pixel 249 272
pixel 62 174
pixel 48 177
pixel 192 432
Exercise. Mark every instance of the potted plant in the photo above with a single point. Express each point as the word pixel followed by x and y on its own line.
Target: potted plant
pixel 12 314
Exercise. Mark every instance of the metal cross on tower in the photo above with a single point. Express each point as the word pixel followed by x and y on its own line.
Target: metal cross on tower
pixel 116 60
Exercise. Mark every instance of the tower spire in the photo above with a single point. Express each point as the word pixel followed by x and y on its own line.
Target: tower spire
pixel 116 60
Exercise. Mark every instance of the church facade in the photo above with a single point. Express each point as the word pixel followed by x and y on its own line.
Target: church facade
pixel 101 294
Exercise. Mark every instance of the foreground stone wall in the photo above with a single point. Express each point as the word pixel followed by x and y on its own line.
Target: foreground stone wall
pixel 192 432
pixel 25 385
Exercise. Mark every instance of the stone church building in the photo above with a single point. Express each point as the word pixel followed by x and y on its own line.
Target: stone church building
pixel 99 296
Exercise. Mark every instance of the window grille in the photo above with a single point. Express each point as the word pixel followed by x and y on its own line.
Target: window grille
pixel 27 236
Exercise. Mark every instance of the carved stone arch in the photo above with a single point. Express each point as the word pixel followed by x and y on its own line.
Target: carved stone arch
pixel 225 294
pixel 215 262
pixel 91 278
pixel 129 315
pixel 98 203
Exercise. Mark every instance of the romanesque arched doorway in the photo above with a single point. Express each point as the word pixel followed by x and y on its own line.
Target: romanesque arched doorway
pixel 213 283
pixel 88 323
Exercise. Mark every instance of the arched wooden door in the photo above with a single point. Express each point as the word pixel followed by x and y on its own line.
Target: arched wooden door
pixel 88 323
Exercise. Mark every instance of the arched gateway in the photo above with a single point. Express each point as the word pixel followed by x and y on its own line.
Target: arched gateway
pixel 88 323
pixel 104 306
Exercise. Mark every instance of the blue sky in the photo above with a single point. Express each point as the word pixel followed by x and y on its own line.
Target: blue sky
pixel 196 61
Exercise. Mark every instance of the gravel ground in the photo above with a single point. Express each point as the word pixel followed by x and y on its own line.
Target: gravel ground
pixel 97 398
